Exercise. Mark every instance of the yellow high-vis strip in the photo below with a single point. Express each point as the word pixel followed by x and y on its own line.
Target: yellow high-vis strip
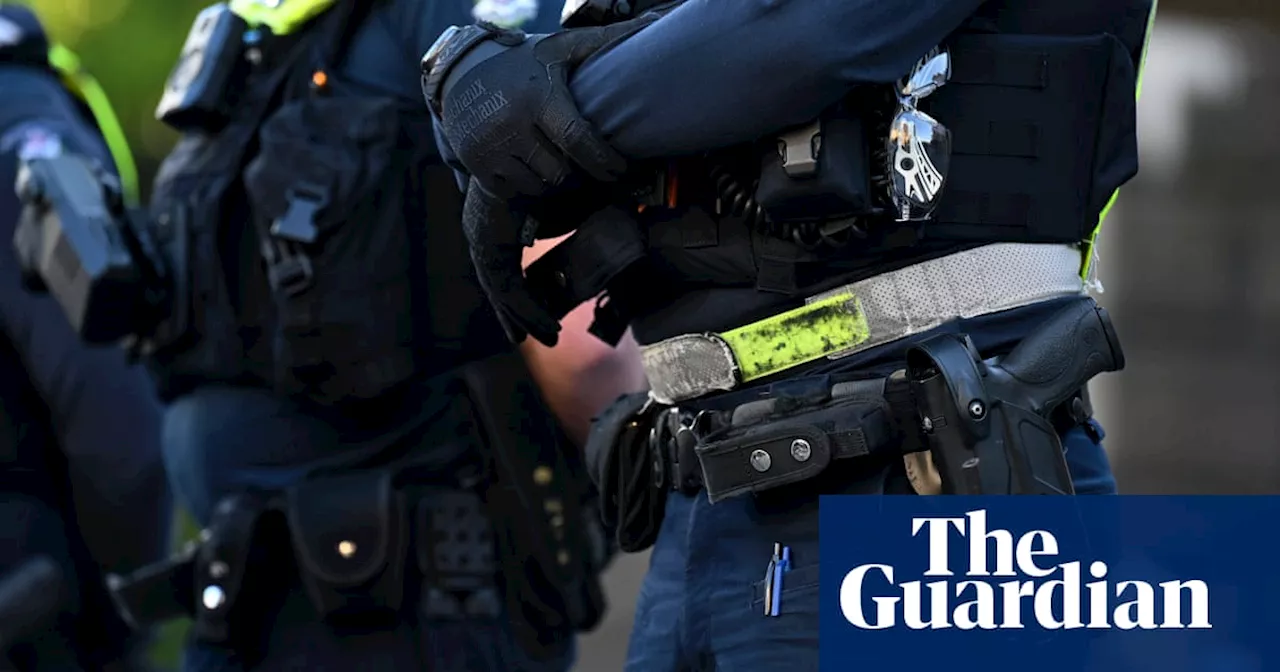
pixel 798 336
pixel 84 86
pixel 1102 217
pixel 281 17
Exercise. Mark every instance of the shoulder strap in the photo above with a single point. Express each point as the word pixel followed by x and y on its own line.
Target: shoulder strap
pixel 87 89
pixel 338 21
pixel 281 17
pixel 340 27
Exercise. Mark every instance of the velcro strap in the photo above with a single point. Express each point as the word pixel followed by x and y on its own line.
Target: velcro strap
pixel 583 265
pixel 776 444
pixel 773 456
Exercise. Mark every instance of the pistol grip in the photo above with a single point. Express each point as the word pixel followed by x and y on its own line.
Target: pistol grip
pixel 1050 365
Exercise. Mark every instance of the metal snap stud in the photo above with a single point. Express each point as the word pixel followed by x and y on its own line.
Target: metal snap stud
pixel 801 450
pixel 760 460
pixel 212 597
pixel 347 549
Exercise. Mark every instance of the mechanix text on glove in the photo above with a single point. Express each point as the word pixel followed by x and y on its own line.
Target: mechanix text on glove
pixel 503 104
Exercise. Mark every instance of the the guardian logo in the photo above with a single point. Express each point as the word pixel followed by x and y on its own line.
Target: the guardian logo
pixel 1051 594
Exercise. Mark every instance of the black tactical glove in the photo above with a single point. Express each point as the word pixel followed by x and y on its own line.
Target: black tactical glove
pixel 503 102
pixel 497 236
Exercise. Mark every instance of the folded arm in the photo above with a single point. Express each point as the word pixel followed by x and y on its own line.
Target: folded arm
pixel 712 74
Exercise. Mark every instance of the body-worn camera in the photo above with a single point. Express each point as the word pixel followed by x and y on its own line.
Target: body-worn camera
pixel 76 241
pixel 195 93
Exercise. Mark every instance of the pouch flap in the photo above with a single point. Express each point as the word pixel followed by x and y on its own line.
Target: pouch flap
pixel 342 526
pixel 318 156
pixel 762 458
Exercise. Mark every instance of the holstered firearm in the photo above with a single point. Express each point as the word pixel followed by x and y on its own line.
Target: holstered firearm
pixel 541 504
pixel 31 596
pixel 76 240
pixel 987 422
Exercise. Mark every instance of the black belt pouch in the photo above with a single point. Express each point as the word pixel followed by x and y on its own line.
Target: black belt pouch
pixel 349 535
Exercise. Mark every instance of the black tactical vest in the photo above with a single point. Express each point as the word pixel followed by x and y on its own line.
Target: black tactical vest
pixel 314 238
pixel 1041 109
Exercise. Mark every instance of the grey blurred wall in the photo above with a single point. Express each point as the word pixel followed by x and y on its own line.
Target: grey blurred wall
pixel 1191 267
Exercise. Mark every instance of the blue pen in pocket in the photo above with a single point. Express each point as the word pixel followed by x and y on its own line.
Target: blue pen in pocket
pixel 782 566
pixel 769 573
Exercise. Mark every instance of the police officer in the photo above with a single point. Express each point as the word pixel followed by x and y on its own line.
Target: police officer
pixel 380 483
pixel 82 487
pixel 821 198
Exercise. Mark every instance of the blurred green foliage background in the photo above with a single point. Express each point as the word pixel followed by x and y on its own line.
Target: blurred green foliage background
pixel 130 46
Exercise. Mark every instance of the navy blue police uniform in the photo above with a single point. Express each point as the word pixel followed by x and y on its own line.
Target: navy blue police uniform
pixel 380 484
pixel 82 486
pixel 733 280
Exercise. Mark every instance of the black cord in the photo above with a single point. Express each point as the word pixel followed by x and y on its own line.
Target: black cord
pixel 737 193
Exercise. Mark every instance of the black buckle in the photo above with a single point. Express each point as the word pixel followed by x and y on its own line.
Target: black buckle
pixel 298 223
pixel 658 450
pixel 290 272
pixel 609 322
pixel 675 460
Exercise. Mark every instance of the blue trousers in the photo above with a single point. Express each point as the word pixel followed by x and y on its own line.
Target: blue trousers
pixel 220 440
pixel 701 606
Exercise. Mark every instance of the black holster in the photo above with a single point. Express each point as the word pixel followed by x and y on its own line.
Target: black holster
pixel 230 581
pixel 626 470
pixel 542 505
pixel 221 581
pixel 989 424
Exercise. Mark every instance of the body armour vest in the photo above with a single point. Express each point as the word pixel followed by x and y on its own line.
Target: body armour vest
pixel 313 238
pixel 1040 105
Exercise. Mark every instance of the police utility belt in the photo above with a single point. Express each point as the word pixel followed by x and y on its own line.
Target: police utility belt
pixel 506 530
pixel 365 547
pixel 991 426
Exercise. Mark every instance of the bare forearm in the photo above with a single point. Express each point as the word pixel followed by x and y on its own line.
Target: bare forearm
pixel 581 375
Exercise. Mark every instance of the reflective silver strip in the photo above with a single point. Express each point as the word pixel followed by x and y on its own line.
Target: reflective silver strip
pixel 897 304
